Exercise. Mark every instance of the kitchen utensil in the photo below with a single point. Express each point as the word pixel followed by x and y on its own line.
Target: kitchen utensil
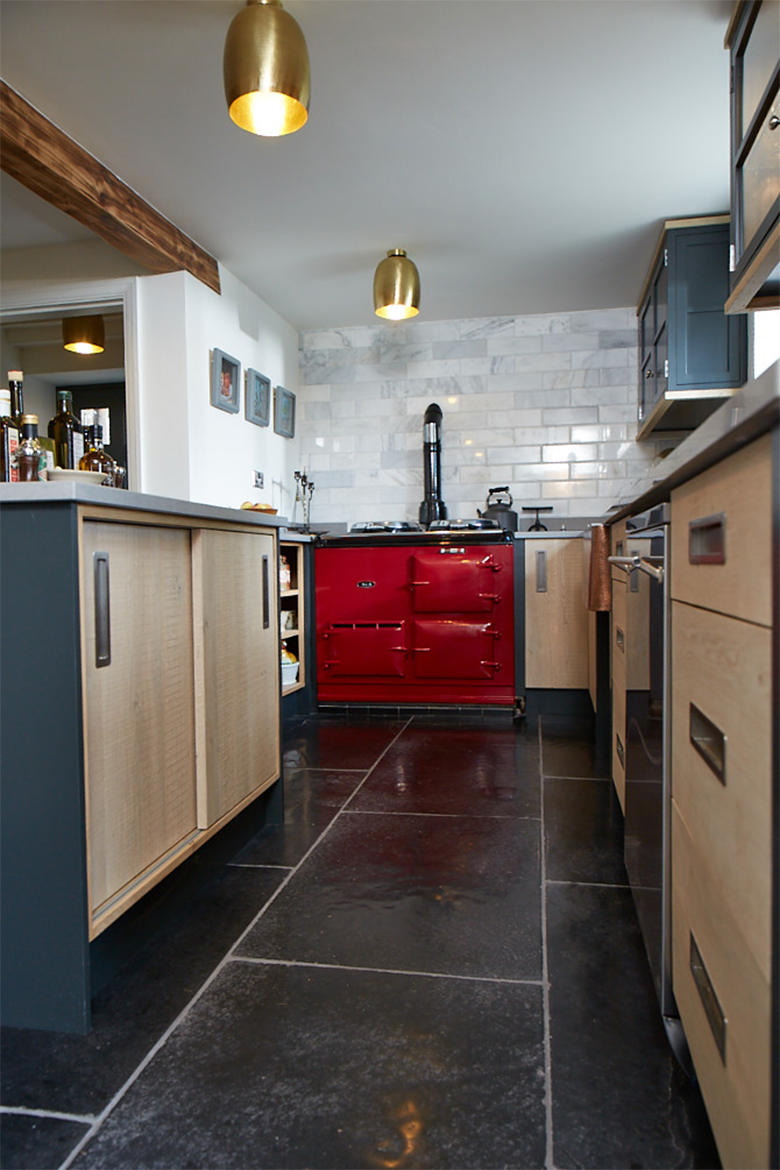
pixel 499 505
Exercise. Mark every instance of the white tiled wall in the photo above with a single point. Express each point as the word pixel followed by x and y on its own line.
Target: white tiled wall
pixel 543 403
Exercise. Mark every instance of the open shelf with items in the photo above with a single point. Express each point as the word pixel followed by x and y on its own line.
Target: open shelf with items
pixel 292 616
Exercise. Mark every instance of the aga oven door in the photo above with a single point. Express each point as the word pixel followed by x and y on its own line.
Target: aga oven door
pixel 456 580
pixel 457 649
pixel 364 649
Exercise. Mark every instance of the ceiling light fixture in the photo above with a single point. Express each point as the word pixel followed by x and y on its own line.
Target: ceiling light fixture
pixel 396 287
pixel 266 68
pixel 84 334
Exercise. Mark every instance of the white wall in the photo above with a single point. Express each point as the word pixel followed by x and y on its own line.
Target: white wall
pixel 190 449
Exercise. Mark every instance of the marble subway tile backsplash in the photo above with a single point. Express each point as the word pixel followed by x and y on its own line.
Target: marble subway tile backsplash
pixel 543 403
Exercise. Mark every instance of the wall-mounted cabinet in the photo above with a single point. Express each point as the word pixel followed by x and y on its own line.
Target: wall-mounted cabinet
pixel 753 39
pixel 691 355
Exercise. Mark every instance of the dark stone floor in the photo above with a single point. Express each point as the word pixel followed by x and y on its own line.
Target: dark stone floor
pixel 435 962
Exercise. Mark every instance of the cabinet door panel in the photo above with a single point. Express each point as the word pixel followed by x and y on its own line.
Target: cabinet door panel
pixel 556 619
pixel 139 709
pixel 237 667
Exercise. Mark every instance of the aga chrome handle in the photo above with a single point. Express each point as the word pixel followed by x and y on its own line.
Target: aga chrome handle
pixel 102 610
pixel 541 571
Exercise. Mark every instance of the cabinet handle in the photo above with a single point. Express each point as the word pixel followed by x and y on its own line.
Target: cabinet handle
pixel 648 373
pixel 620 750
pixel 102 610
pixel 774 122
pixel 541 572
pixel 709 741
pixel 620 638
pixel 709 999
pixel 707 540
pixel 266 596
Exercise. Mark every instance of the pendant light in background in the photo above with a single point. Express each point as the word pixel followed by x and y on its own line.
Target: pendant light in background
pixel 84 334
pixel 396 287
pixel 266 68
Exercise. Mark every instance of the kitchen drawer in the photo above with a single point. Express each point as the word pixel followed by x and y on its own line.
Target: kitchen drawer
pixel 731 1054
pixel 722 520
pixel 722 672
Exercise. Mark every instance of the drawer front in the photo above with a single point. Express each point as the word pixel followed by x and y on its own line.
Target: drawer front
pixel 721 759
pixel 722 539
pixel 725 1006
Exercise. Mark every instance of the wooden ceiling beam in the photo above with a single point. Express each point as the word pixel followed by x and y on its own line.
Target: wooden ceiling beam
pixel 44 159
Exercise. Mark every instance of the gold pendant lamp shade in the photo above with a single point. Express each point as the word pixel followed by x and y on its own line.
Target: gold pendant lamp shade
pixel 396 287
pixel 84 334
pixel 266 66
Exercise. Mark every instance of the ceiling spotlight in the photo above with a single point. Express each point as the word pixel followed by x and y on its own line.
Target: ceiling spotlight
pixel 84 334
pixel 266 68
pixel 396 287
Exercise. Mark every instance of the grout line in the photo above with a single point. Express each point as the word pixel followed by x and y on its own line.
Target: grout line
pixel 254 865
pixel 548 1109
pixel 261 962
pixel 52 1114
pixel 598 885
pixel 584 779
pixel 160 1043
pixel 381 812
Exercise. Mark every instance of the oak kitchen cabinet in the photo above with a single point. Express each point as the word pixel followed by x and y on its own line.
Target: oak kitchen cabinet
pixel 691 355
pixel 145 720
pixel 724 798
pixel 556 614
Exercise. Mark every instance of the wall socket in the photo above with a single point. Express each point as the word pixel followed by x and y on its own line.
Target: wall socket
pixel 259 479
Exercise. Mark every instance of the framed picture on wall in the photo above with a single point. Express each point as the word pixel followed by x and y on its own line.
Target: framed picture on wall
pixel 225 382
pixel 284 412
pixel 257 407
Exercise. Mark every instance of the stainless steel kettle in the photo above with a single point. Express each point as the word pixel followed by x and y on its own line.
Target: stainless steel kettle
pixel 499 504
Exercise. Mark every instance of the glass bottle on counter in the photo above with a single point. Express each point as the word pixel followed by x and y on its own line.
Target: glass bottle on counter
pixel 30 458
pixel 95 457
pixel 9 441
pixel 15 387
pixel 67 432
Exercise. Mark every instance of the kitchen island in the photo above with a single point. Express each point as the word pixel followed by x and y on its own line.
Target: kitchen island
pixel 140 711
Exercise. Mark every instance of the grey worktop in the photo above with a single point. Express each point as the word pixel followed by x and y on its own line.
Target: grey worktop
pixel 71 492
pixel 751 412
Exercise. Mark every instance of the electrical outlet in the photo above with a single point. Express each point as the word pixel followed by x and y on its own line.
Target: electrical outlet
pixel 259 479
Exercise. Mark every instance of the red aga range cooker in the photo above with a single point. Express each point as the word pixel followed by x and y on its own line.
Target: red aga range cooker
pixel 412 616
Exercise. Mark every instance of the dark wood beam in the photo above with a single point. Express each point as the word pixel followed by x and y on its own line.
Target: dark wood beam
pixel 44 159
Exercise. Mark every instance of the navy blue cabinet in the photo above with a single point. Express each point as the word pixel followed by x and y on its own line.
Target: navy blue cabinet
pixel 691 355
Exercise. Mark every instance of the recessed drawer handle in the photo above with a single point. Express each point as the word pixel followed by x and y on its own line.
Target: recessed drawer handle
pixel 102 610
pixel 620 750
pixel 707 540
pixel 709 741
pixel 709 999
pixel 541 572
pixel 620 639
pixel 266 595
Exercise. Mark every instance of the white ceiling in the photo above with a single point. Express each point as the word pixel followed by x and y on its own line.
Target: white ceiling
pixel 524 152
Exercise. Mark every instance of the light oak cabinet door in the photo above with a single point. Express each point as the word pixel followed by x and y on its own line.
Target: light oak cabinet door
pixel 236 667
pixel 556 614
pixel 139 704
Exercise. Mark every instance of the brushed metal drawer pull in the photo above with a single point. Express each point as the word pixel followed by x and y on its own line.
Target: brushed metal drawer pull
pixel 620 750
pixel 620 639
pixel 709 999
pixel 266 595
pixel 709 741
pixel 707 540
pixel 102 610
pixel 541 572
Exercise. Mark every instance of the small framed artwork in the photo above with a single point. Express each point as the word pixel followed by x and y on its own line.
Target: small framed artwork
pixel 284 412
pixel 225 382
pixel 257 408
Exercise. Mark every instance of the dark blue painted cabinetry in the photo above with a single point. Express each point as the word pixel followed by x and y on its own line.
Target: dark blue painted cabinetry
pixel 691 355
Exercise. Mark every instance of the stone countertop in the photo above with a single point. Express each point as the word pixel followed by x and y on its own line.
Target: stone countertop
pixel 751 412
pixel 72 492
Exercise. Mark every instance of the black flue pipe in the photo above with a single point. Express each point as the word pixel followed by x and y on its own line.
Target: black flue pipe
pixel 433 506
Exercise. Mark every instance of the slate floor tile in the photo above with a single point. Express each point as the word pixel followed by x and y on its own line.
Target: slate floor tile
pixel 296 1067
pixel 80 1074
pixel 337 744
pixel 569 748
pixel 619 1097
pixel 37 1143
pixel 413 893
pixel 583 832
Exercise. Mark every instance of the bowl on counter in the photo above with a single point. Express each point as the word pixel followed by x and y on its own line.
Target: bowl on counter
pixel 60 474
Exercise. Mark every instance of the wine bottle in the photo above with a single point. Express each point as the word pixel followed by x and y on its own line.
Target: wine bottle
pixel 9 441
pixel 29 456
pixel 95 457
pixel 67 432
pixel 15 386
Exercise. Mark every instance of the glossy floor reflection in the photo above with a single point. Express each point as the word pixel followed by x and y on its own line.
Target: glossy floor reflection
pixel 435 962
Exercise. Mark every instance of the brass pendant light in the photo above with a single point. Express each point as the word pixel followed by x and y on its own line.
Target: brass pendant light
pixel 396 287
pixel 266 68
pixel 84 334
